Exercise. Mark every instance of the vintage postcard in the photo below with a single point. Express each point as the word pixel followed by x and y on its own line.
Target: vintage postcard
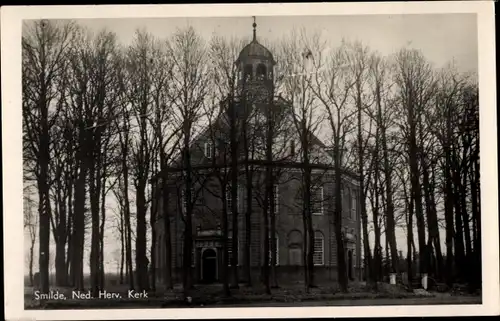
pixel 253 160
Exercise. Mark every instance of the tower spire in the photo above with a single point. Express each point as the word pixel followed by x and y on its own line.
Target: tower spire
pixel 254 25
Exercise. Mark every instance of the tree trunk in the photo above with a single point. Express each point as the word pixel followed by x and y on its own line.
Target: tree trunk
pixel 69 233
pixel 430 206
pixel 128 227
pixel 94 191
pixel 268 200
pixel 477 218
pixel 375 203
pixel 166 226
pixel 234 191
pixel 342 277
pixel 308 248
pixel 410 242
pixel 122 245
pixel 265 212
pixel 366 241
pixel 459 235
pixel 272 239
pixel 225 238
pixel 248 220
pixel 188 229
pixel 307 208
pixel 435 228
pixel 102 229
pixel 249 200
pixel 141 260
pixel 377 255
pixel 416 192
pixel 475 201
pixel 44 192
pixel 474 204
pixel 387 257
pixel 465 215
pixel 391 224
pixel 32 247
pixel 361 164
pixel 305 241
pixel 154 234
pixel 409 229
pixel 310 252
pixel 448 199
pixel 78 236
pixel 61 275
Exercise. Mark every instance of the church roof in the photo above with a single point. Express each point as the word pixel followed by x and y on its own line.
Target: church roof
pixel 255 50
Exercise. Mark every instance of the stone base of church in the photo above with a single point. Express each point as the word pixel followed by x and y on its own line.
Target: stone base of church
pixel 285 275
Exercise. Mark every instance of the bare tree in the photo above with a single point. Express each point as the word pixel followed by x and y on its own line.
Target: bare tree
pixel 189 87
pixel 222 53
pixel 123 124
pixel 30 223
pixel 449 128
pixel 297 88
pixel 166 139
pixel 415 82
pixel 360 62
pixel 219 154
pixel 99 111
pixel 429 156
pixel 381 88
pixel 81 102
pixel 140 68
pixel 61 185
pixel 44 48
pixel 333 89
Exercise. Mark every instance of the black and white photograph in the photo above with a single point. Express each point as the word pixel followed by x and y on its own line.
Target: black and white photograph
pixel 174 161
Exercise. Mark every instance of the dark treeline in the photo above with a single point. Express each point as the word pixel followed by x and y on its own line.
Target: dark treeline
pixel 101 119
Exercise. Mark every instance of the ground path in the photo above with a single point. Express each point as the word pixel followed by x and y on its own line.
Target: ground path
pixel 366 302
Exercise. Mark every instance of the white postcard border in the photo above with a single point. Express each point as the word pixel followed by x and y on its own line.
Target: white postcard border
pixel 11 18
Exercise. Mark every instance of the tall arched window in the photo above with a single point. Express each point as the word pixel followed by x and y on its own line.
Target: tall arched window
pixel 319 248
pixel 230 250
pixel 354 205
pixel 347 201
pixel 261 71
pixel 295 247
pixel 247 73
pixel 317 199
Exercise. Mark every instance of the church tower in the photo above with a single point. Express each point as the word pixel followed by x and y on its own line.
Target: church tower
pixel 255 65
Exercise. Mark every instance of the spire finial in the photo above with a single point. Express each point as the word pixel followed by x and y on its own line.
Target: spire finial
pixel 254 31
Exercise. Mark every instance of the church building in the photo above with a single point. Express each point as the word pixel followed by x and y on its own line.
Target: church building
pixel 254 95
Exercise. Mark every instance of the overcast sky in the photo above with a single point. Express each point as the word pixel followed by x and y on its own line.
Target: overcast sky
pixel 441 37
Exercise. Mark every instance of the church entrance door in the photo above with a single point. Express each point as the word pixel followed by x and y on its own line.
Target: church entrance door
pixel 209 266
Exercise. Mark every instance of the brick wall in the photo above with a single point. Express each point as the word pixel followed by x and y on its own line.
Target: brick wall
pixel 288 221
